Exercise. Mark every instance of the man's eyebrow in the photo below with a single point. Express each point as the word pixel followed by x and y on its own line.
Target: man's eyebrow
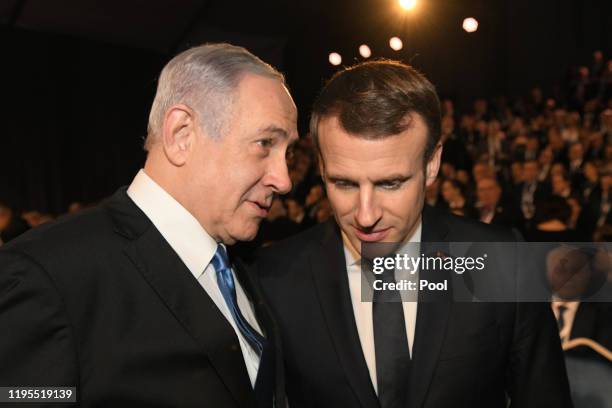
pixel 388 179
pixel 392 178
pixel 334 178
pixel 276 130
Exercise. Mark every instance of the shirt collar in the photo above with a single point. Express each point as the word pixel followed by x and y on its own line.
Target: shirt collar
pixel 353 258
pixel 569 305
pixel 178 226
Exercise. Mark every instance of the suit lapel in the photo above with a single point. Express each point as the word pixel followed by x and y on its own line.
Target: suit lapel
pixel 185 298
pixel 432 316
pixel 332 285
pixel 584 321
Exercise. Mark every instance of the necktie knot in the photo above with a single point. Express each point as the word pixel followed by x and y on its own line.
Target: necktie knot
pixel 220 260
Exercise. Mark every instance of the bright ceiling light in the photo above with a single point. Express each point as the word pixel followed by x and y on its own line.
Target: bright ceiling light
pixel 365 51
pixel 396 44
pixel 470 24
pixel 335 58
pixel 407 4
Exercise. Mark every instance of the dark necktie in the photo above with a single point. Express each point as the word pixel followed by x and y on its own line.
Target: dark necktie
pixel 561 318
pixel 264 383
pixel 390 345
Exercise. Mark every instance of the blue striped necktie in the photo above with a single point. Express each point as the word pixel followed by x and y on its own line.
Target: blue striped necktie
pixel 225 281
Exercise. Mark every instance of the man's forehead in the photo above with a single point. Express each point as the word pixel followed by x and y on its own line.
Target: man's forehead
pixel 259 89
pixel 334 138
pixel 368 164
pixel 267 106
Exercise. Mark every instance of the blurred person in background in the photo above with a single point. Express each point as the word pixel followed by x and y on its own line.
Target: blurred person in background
pixel 316 194
pixel 529 192
pixel 453 194
pixel 277 225
pixel 597 211
pixel 575 162
pixel 591 182
pixel 489 207
pixel 11 224
pixel 545 160
pixel 297 214
pixel 551 222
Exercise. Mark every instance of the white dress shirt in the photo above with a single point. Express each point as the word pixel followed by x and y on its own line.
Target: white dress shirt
pixel 569 315
pixel 196 248
pixel 363 309
pixel 487 216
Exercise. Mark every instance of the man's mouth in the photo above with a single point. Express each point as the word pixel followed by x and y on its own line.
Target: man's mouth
pixel 261 208
pixel 371 236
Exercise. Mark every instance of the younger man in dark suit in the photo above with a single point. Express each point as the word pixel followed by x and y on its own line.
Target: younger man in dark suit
pixel 377 128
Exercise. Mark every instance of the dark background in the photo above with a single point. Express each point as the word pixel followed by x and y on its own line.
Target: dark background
pixel 78 76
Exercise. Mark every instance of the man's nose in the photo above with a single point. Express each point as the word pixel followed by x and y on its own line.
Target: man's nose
pixel 368 211
pixel 278 176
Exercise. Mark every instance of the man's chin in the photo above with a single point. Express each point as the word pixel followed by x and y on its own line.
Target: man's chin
pixel 246 233
pixel 384 247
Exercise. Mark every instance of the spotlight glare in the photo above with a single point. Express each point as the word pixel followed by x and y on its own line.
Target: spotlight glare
pixel 407 4
pixel 335 58
pixel 470 24
pixel 365 51
pixel 395 43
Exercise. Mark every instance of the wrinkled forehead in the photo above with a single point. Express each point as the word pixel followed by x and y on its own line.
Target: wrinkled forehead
pixel 262 107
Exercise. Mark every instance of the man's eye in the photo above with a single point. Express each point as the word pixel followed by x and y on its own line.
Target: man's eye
pixel 343 184
pixel 391 185
pixel 266 143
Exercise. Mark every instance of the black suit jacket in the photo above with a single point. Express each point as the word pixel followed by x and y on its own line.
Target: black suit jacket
pixel 464 354
pixel 100 301
pixel 593 320
pixel 503 216
pixel 541 193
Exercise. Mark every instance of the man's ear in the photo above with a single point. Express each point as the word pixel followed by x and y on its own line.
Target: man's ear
pixel 178 133
pixel 433 165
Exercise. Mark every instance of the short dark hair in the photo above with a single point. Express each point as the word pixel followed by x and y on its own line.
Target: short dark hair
pixel 374 99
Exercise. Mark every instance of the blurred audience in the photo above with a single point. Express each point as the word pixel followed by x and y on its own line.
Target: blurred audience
pixel 490 208
pixel 11 223
pixel 539 163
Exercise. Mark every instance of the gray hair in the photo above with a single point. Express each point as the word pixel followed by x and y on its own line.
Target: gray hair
pixel 204 78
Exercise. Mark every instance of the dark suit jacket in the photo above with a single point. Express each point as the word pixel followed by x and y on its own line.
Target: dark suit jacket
pixel 503 216
pixel 594 321
pixel 541 193
pixel 100 301
pixel 465 354
pixel 590 213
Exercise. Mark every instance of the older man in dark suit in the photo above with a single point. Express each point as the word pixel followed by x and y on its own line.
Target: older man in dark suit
pixel 135 302
pixel 377 126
